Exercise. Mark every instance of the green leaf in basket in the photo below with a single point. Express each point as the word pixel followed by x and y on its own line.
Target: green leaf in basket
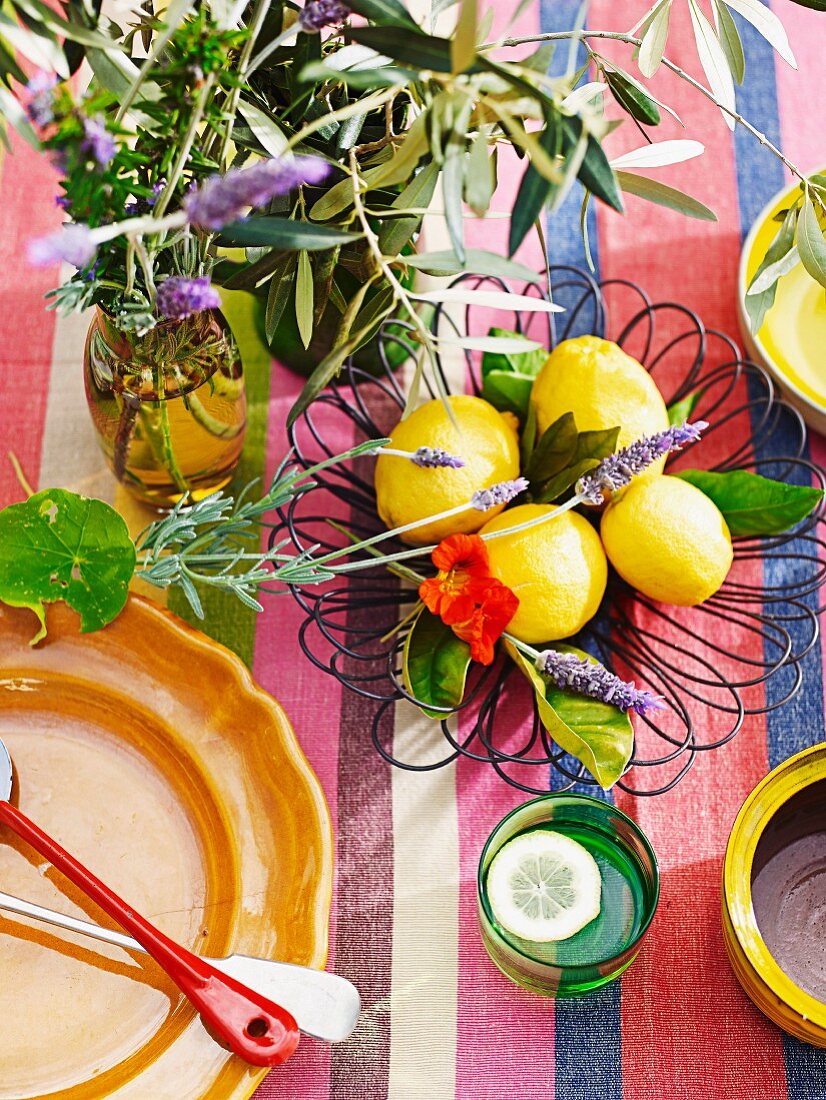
pixel 434 664
pixel 554 451
pixel 753 505
pixel 591 448
pixel 598 734
pixel 529 362
pixel 60 546
pixel 680 411
pixel 508 391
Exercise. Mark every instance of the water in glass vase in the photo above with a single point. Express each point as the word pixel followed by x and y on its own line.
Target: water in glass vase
pixel 168 407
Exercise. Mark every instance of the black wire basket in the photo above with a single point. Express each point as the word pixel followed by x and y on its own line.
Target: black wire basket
pixel 736 655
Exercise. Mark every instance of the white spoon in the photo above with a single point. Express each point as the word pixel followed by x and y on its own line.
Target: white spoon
pixel 323 1005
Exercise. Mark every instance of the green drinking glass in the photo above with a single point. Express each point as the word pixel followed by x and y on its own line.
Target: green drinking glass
pixel 630 890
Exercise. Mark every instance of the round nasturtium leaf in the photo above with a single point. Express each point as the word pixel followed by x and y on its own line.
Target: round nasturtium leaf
pixel 58 545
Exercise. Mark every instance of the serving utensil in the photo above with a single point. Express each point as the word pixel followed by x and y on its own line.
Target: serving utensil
pixel 251 1025
pixel 323 1005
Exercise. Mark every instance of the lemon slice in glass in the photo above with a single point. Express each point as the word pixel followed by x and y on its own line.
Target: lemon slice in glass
pixel 543 887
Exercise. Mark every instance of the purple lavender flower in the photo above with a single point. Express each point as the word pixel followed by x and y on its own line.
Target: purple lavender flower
pixel 485 499
pixel 62 201
pixel 617 470
pixel 97 141
pixel 578 674
pixel 179 297
pixel 40 103
pixel 318 14
pixel 223 199
pixel 157 191
pixel 74 244
pixel 433 457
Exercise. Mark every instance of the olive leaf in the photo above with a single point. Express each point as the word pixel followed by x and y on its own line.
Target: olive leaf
pixel 58 545
pixel 758 305
pixel 434 665
pixel 753 505
pixel 633 98
pixel 597 734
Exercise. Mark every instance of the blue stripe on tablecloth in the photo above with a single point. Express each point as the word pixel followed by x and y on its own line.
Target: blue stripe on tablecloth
pixel 587 1043
pixel 798 723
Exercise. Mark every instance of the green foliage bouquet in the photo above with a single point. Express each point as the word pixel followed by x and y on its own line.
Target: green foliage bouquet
pixel 293 150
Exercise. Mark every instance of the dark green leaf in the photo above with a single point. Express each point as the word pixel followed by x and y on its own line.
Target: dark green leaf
pixel 633 99
pixel 595 172
pixel 555 450
pixel 753 505
pixel 362 79
pixel 591 447
pixel 534 188
pixel 285 233
pixel 279 293
pixel 248 276
pixel 597 734
pixel 527 439
pixel 386 13
pixel 422 51
pixel 434 665
pixel 60 546
pixel 681 411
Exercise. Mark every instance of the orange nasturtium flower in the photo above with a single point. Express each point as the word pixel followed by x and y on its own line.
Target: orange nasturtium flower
pixel 466 597
pixel 462 561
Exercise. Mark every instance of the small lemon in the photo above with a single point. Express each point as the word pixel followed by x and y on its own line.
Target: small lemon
pixel 668 540
pixel 486 442
pixel 603 387
pixel 556 569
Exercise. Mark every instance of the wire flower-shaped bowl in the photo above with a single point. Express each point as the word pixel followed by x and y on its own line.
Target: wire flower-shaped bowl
pixel 736 655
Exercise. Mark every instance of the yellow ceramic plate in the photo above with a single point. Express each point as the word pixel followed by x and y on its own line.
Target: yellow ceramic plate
pixel 148 752
pixel 792 337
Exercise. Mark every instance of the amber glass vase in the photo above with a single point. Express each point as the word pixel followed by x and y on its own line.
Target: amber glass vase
pixel 168 407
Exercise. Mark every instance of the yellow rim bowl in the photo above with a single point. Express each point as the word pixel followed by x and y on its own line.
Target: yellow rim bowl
pixel 793 334
pixel 774 993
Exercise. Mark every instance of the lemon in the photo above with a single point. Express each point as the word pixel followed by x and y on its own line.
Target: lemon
pixel 603 387
pixel 668 540
pixel 543 886
pixel 486 442
pixel 556 569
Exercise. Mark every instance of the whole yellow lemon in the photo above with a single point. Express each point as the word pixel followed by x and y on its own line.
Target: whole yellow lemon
pixel 557 569
pixel 603 387
pixel 668 540
pixel 405 493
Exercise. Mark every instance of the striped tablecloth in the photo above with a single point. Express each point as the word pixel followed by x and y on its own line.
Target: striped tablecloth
pixel 439 1021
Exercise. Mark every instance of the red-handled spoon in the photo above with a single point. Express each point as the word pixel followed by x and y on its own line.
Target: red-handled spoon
pixel 252 1026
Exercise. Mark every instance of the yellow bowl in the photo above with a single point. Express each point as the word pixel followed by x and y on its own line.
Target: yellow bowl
pixel 793 334
pixel 772 990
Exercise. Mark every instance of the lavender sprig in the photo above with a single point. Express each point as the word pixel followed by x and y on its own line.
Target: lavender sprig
pixel 578 674
pixel 40 104
pixel 98 142
pixel 318 14
pixel 73 244
pixel 179 297
pixel 223 199
pixel 617 470
pixel 502 493
pixel 427 457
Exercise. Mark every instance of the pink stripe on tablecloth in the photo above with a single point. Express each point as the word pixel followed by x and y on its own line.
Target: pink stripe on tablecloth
pixel 801 121
pixel 312 701
pixel 26 329
pixel 505 1035
pixel 681 996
